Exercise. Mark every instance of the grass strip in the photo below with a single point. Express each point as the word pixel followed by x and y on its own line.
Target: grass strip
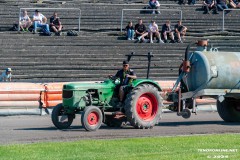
pixel 200 147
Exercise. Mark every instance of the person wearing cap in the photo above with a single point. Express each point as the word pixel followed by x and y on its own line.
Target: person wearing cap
pixel 6 75
pixel 39 20
pixel 126 76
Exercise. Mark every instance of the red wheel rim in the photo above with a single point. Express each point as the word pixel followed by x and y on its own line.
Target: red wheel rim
pixel 93 118
pixel 147 107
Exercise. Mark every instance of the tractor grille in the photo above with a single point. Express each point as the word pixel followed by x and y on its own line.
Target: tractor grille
pixel 67 94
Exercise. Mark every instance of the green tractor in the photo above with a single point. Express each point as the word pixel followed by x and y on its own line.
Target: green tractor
pixel 97 103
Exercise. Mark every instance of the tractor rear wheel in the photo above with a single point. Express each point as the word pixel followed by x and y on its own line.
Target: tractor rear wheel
pixel 61 120
pixel 91 118
pixel 229 110
pixel 143 106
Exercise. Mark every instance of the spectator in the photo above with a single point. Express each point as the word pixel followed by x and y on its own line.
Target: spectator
pixel 24 21
pixel 40 21
pixel 153 31
pixel 130 31
pixel 167 31
pixel 234 4
pixel 180 31
pixel 141 31
pixel 155 5
pixel 55 24
pixel 208 5
pixel 221 5
pixel 6 75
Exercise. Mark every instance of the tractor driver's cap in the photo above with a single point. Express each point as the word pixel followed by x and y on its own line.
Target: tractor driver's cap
pixel 8 69
pixel 125 62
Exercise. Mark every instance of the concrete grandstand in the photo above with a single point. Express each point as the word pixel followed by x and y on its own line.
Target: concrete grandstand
pixel 100 48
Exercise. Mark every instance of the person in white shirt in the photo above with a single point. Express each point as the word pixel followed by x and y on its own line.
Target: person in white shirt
pixel 6 75
pixel 40 21
pixel 153 31
pixel 24 21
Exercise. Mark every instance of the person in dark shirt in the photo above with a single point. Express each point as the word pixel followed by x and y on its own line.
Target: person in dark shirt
pixel 141 31
pixel 126 76
pixel 208 5
pixel 55 24
pixel 167 31
pixel 221 5
pixel 130 31
pixel 180 31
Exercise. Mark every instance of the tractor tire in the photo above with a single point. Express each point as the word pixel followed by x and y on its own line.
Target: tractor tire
pixel 91 118
pixel 229 110
pixel 58 116
pixel 143 106
pixel 111 121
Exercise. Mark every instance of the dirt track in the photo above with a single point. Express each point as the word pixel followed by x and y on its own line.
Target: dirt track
pixel 28 129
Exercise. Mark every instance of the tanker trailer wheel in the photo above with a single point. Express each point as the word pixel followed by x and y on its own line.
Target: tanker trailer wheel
pixel 229 110
pixel 61 120
pixel 143 106
pixel 91 118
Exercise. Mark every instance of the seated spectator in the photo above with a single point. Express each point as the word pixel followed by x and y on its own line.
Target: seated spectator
pixel 209 5
pixel 180 31
pixel 167 31
pixel 130 31
pixel 40 20
pixel 153 31
pixel 234 4
pixel 24 21
pixel 55 24
pixel 6 75
pixel 141 31
pixel 155 5
pixel 221 5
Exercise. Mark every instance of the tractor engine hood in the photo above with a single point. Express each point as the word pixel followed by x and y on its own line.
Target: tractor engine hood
pixel 89 85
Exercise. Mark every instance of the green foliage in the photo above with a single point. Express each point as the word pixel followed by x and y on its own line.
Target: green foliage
pixel 157 148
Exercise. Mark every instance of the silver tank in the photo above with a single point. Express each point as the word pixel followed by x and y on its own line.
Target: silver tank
pixel 214 70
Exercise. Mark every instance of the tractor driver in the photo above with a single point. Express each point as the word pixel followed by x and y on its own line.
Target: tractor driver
pixel 126 76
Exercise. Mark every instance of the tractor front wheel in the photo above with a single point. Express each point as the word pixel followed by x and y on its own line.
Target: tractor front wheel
pixel 60 119
pixel 91 118
pixel 143 106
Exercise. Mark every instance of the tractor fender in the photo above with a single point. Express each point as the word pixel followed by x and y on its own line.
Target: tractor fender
pixel 138 82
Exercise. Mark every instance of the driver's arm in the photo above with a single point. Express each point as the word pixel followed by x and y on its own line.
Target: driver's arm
pixel 132 75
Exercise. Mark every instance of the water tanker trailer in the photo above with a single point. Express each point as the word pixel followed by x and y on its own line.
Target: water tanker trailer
pixel 208 73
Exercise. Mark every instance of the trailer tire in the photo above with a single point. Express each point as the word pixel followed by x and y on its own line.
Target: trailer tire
pixel 91 118
pixel 228 110
pixel 143 106
pixel 56 113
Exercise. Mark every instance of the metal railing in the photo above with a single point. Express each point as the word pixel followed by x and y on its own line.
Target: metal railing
pixel 223 20
pixel 76 9
pixel 148 10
